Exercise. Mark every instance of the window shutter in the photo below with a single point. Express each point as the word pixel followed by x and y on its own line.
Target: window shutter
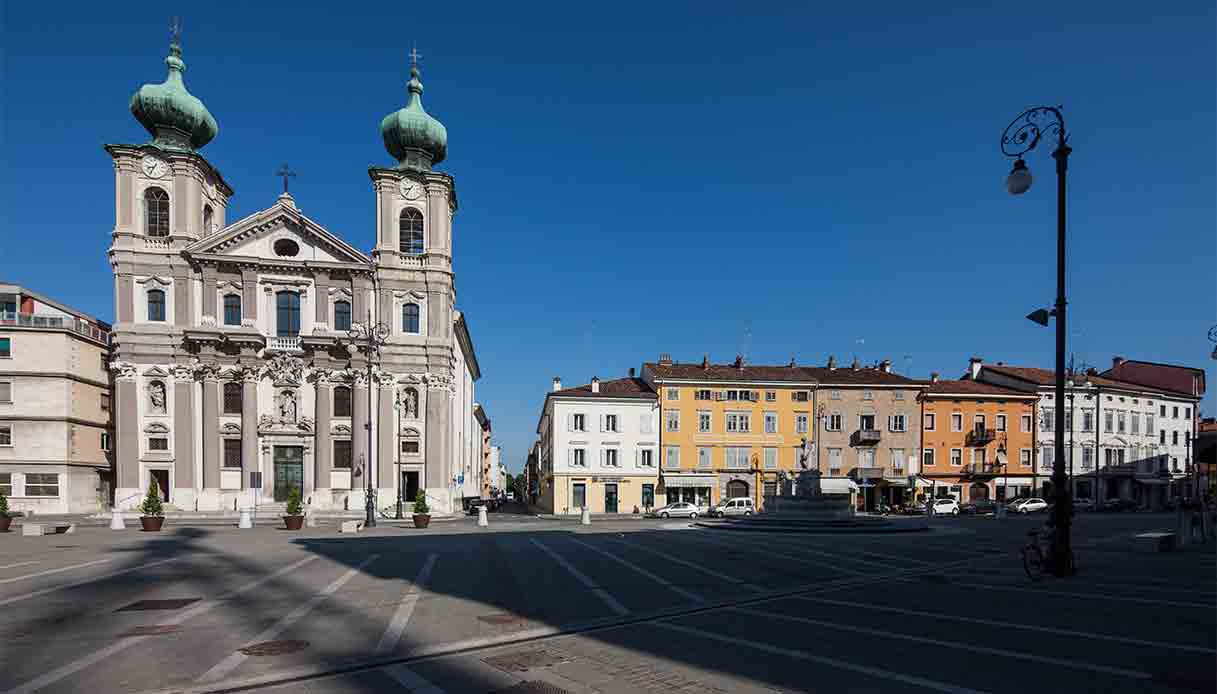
pixel 637 458
pixel 601 457
pixel 570 457
pixel 570 422
pixel 601 422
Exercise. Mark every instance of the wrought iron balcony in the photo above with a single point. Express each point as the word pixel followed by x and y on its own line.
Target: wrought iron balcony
pixel 283 344
pixel 980 436
pixel 986 469
pixel 865 437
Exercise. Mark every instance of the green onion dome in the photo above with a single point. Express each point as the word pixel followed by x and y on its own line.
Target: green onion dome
pixel 175 117
pixel 415 139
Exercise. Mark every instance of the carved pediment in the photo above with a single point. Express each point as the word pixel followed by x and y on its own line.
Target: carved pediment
pixel 156 372
pixel 285 369
pixel 341 429
pixel 156 428
pixel 256 236
pixel 230 428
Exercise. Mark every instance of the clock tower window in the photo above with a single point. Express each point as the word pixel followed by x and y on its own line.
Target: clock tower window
pixel 411 232
pixel 156 212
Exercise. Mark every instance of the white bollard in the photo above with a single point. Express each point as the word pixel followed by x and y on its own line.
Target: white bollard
pixel 586 517
pixel 116 521
pixel 482 522
pixel 246 522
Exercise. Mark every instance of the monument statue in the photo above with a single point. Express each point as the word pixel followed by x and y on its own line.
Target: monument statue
pixel 287 406
pixel 808 484
pixel 156 397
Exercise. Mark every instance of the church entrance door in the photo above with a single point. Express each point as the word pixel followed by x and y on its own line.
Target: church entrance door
pixel 409 482
pixel 289 470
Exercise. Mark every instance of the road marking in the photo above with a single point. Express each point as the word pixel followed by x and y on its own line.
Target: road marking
pixel 687 594
pixel 869 553
pixel 120 646
pixel 233 661
pixel 48 572
pixel 411 680
pixel 603 594
pixel 782 557
pixel 829 662
pixel 1072 594
pixel 1018 655
pixel 74 584
pixel 397 625
pixel 20 563
pixel 722 577
pixel 1011 625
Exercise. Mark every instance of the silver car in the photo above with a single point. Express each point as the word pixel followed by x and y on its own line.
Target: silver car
pixel 680 509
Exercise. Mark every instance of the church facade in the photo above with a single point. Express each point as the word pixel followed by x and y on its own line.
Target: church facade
pixel 241 365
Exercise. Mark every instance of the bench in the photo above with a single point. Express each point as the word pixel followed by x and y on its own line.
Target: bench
pixel 38 529
pixel 1154 542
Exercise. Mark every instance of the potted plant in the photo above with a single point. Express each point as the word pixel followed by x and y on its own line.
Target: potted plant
pixel 294 520
pixel 152 511
pixel 422 512
pixel 5 520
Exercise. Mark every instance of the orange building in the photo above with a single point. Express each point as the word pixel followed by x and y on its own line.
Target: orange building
pixel 977 440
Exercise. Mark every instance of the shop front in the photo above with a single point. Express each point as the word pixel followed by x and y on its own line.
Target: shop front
pixel 625 494
pixel 693 489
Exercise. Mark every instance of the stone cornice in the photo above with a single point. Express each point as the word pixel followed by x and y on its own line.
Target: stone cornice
pixel 55 374
pixel 120 152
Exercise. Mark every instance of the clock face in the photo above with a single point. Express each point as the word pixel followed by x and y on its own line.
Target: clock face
pixel 411 190
pixel 154 167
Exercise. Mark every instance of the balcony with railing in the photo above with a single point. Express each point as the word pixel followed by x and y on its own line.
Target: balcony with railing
pixel 981 436
pixel 982 470
pixel 865 437
pixel 284 344
pixel 26 320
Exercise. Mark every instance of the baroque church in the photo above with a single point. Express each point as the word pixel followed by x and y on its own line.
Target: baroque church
pixel 241 363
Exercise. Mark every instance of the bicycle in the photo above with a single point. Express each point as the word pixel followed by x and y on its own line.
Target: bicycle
pixel 1036 552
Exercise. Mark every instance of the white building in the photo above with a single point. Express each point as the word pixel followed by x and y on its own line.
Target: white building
pixel 599 447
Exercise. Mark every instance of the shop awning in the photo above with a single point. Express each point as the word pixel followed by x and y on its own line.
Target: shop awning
pixel 1155 482
pixel 689 481
pixel 837 485
pixel 897 481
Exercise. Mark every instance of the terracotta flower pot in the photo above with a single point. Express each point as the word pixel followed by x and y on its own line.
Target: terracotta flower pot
pixel 5 523
pixel 422 520
pixel 151 523
pixel 293 522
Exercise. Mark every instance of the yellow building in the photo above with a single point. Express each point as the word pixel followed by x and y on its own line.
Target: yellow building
pixel 730 430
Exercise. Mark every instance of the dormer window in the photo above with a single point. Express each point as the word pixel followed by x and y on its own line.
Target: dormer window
pixel 410 230
pixel 342 315
pixel 156 212
pixel 409 319
pixel 232 309
pixel 156 305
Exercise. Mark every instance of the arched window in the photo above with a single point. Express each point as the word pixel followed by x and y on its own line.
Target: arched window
pixel 156 212
pixel 207 220
pixel 342 315
pixel 409 319
pixel 156 305
pixel 737 489
pixel 342 401
pixel 411 232
pixel 287 314
pixel 232 309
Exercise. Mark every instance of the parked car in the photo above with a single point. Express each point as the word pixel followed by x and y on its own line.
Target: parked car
pixel 1025 506
pixel 979 507
pixel 1119 505
pixel 680 509
pixel 940 507
pixel 511 496
pixel 733 507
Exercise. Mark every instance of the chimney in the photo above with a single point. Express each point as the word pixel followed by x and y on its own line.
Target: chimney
pixel 595 384
pixel 855 364
pixel 792 364
pixel 934 377
pixel 705 361
pixel 886 366
pixel 1116 361
pixel 1092 372
pixel 739 361
pixel 631 372
pixel 665 359
pixel 832 362
pixel 974 365
pixel 557 383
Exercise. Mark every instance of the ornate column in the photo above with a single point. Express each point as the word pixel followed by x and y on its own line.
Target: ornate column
pixel 359 432
pixel 249 423
pixel 209 293
pixel 439 455
pixel 183 427
pixel 126 428
pixel 211 428
pixel 386 435
pixel 324 445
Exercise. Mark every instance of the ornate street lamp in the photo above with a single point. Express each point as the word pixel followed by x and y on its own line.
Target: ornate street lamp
pixel 373 336
pixel 1021 136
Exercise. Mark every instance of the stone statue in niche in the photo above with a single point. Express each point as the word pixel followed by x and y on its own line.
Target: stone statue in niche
pixel 286 404
pixel 156 397
pixel 409 403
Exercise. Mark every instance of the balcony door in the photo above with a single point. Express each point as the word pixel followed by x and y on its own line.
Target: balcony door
pixel 866 422
pixel 287 314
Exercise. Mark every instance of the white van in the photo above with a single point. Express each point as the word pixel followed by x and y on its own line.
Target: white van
pixel 733 507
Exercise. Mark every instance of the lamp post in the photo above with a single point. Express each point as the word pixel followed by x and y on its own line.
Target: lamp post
pixel 1023 135
pixel 373 336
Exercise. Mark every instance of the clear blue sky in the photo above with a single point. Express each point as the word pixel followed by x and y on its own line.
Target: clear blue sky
pixel 678 177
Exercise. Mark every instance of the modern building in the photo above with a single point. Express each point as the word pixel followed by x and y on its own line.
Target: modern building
pixel 235 374
pixel 977 440
pixel 598 447
pixel 56 426
pixel 1124 440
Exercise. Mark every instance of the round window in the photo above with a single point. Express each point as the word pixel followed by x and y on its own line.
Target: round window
pixel 286 248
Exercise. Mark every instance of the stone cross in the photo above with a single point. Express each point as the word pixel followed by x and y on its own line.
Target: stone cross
pixel 175 30
pixel 286 173
pixel 414 56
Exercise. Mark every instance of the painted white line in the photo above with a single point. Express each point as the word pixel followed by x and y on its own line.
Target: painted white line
pixel 1073 633
pixel 48 572
pixel 74 584
pixel 859 555
pixel 411 680
pixel 1017 655
pixel 233 661
pixel 397 625
pixel 782 557
pixel 1072 594
pixel 20 563
pixel 603 594
pixel 119 646
pixel 697 567
pixel 828 662
pixel 686 594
